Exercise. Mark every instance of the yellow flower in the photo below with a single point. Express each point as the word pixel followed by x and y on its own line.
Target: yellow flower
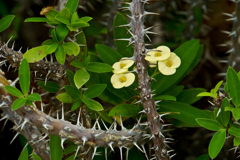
pixel 168 66
pixel 122 66
pixel 152 64
pixel 122 80
pixel 158 54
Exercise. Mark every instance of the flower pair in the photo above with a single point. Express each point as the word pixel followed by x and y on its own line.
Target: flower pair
pixel 167 60
pixel 121 77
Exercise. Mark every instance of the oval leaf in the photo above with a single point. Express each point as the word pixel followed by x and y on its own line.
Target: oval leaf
pixel 165 97
pixel 81 77
pixel 24 76
pixel 236 113
pixel 65 98
pixel 236 141
pixel 60 54
pixel 233 86
pixel 73 91
pixel 71 48
pixel 216 143
pixel 5 22
pixel 72 5
pixel 36 19
pixel 36 54
pixel 94 91
pixel 56 150
pixel 210 124
pixel 107 54
pixel 126 110
pixel 51 87
pixel 234 131
pixel 24 154
pixel 36 157
pixel 14 91
pixel 70 75
pixel 225 115
pixel 62 31
pixel 76 105
pixel 96 106
pixel 52 48
pixel 99 67
pixel 18 103
pixel 189 96
pixel 34 97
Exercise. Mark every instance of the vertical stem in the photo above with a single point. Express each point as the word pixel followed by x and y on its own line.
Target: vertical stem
pixel 144 80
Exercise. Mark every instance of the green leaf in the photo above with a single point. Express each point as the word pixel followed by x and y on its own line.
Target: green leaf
pixel 99 67
pixel 165 97
pixel 60 54
pixel 66 13
pixel 206 94
pixel 71 28
pixel 36 19
pixel 48 42
pixel 62 19
pixel 81 40
pixel 74 17
pixel 51 87
pixel 216 143
pixel 121 33
pixel 105 117
pixel 126 110
pixel 36 157
pixel 107 54
pixel 236 113
pixel 24 76
pixel 86 101
pixel 18 103
pixel 173 90
pixel 236 141
pixel 85 19
pixel 81 77
pixel 61 32
pixel 95 106
pixel 225 115
pixel 86 60
pixel 233 86
pixel 210 124
pixel 203 157
pixel 76 105
pixel 71 48
pixel 56 150
pixel 72 5
pixel 187 53
pixel 14 91
pixel 77 63
pixel 234 131
pixel 70 75
pixel 189 96
pixel 79 24
pixel 71 157
pixel 70 149
pixel 6 22
pixel 24 154
pixel 35 54
pixel 187 113
pixel 54 36
pixel 217 86
pixel 94 91
pixel 34 97
pixel 52 48
pixel 73 91
pixel 65 98
pixel 51 16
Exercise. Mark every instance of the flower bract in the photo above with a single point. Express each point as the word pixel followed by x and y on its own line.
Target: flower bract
pixel 158 54
pixel 122 80
pixel 168 66
pixel 122 66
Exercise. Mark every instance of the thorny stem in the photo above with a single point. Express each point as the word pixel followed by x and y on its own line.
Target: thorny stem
pixel 144 81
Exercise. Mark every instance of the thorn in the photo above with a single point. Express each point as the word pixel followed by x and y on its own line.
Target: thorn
pixel 127 153
pixel 79 114
pixel 120 148
pixel 8 41
pixel 123 39
pixel 106 153
pixel 2 104
pixel 110 145
pixel 46 77
pixel 41 138
pixel 121 122
pixel 62 112
pixel 62 141
pixel 94 152
pixel 149 13
pixel 227 14
pixel 19 51
pixel 172 156
pixel 42 109
pixel 84 139
pixel 77 151
pixel 104 125
pixel 13 45
pixel 91 6
pixel 9 67
pixel 24 122
pixel 96 123
pixel 14 82
pixel 14 137
pixel 135 144
pixel 145 152
pixel 115 123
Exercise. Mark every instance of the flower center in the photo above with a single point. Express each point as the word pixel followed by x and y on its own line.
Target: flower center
pixel 122 79
pixel 158 54
pixel 122 65
pixel 169 63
